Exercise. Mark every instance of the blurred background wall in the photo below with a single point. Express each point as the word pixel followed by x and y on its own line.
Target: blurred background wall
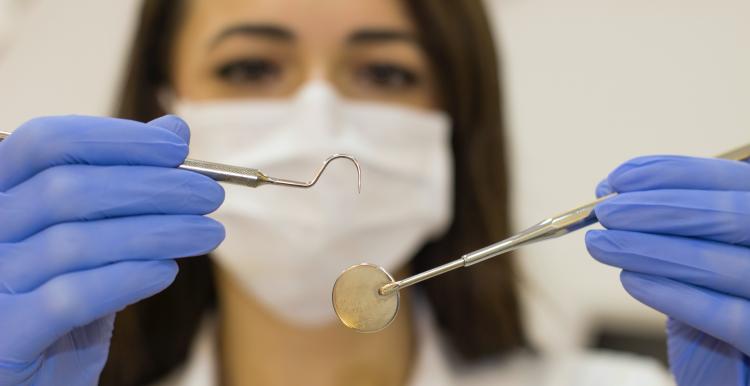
pixel 61 57
pixel 588 84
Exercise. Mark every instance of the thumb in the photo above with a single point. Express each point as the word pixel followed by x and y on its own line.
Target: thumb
pixel 174 124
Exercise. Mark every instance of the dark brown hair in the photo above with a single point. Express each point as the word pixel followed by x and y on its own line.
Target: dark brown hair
pixel 476 309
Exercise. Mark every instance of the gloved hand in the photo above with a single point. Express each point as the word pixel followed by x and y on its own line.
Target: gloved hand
pixel 680 230
pixel 93 211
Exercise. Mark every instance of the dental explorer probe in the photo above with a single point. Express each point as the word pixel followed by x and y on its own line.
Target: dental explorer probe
pixel 366 297
pixel 249 177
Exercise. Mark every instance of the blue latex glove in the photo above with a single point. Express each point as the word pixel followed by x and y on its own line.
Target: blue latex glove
pixel 93 211
pixel 680 230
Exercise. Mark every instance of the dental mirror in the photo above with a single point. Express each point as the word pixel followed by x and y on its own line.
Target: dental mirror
pixel 358 302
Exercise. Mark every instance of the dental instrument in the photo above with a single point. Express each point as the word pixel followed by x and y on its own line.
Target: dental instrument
pixel 366 297
pixel 249 177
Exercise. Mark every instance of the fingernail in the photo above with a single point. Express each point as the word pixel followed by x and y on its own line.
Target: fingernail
pixel 174 124
pixel 603 188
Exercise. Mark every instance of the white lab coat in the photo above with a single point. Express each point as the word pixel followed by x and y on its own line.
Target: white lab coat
pixel 434 368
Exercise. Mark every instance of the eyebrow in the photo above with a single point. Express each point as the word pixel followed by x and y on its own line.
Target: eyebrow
pixel 380 35
pixel 269 31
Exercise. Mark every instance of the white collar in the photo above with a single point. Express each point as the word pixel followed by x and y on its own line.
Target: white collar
pixel 431 367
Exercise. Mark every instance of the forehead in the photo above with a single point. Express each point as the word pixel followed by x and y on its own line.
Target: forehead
pixel 318 19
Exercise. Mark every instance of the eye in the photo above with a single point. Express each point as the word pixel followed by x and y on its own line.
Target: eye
pixel 248 70
pixel 387 76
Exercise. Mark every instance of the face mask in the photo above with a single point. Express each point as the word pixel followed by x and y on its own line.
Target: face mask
pixel 286 246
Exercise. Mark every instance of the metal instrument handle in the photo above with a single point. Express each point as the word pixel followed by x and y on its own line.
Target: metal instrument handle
pixel 226 173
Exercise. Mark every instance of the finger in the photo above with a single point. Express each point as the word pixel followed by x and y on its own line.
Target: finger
pixel 718 266
pixel 603 188
pixel 174 124
pixel 50 141
pixel 79 246
pixel 39 318
pixel 696 358
pixel 719 315
pixel 84 349
pixel 678 172
pixel 713 215
pixel 85 193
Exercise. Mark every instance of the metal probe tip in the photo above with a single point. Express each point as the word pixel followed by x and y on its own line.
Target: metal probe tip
pixel 314 180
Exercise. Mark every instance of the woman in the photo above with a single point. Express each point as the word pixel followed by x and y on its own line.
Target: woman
pixel 376 52
pixel 410 88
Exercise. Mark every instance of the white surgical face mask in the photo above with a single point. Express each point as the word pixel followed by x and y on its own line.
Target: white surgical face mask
pixel 286 246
